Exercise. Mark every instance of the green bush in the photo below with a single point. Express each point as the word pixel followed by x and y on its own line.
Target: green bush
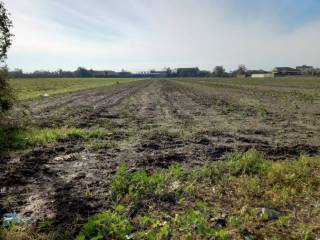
pixel 136 186
pixel 143 186
pixel 107 225
pixel 196 224
pixel 194 221
pixel 152 228
pixel 139 187
pixel 121 182
pixel 291 173
pixel 6 94
pixel 250 162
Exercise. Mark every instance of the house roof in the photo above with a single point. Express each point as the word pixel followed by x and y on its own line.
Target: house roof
pixel 287 69
pixel 188 69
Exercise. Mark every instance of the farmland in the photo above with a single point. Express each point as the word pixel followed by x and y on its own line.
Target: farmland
pixel 163 158
pixel 36 87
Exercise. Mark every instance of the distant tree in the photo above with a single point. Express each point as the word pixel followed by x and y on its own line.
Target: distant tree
pixel 168 71
pixel 188 72
pixel 82 72
pixel 316 72
pixel 60 72
pixel 125 73
pixel 242 69
pixel 5 32
pixel 6 95
pixel 16 73
pixel 219 71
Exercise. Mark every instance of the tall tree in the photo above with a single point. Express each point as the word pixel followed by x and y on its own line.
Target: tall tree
pixel 219 71
pixel 242 69
pixel 6 96
pixel 82 72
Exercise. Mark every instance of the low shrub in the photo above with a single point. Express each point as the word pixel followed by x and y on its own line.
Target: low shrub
pixel 6 94
pixel 140 187
pixel 107 225
pixel 250 163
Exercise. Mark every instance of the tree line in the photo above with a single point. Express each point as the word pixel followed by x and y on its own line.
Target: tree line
pixel 218 71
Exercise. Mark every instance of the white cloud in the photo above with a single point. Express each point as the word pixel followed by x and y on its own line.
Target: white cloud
pixel 152 34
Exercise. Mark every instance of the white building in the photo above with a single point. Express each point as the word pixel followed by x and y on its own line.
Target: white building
pixel 263 75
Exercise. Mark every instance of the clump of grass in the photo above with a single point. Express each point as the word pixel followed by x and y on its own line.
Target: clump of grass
pixel 23 138
pixel 20 233
pixel 107 225
pixel 152 227
pixel 250 162
pixel 197 223
pixel 246 180
pixel 140 187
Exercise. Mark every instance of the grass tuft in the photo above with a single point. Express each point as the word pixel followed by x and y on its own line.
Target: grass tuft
pixel 20 138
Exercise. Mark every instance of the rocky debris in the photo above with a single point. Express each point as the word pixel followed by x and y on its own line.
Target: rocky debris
pixel 69 157
pixel 261 213
pixel 220 221
pixel 268 214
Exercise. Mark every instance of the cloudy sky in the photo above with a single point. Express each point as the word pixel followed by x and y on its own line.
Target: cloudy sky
pixel 145 34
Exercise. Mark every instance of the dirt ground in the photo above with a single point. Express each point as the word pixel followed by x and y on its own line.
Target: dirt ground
pixel 151 124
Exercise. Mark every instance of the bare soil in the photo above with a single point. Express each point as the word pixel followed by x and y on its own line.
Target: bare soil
pixel 152 124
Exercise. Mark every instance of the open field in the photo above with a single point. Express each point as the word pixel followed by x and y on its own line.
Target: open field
pixel 203 158
pixel 36 87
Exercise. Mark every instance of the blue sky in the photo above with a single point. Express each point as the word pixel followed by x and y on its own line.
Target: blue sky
pixel 149 34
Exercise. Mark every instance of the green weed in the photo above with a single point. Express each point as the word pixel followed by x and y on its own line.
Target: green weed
pixel 31 88
pixel 17 139
pixel 185 203
pixel 107 225
pixel 251 162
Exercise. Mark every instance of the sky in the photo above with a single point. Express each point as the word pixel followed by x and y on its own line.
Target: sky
pixel 140 35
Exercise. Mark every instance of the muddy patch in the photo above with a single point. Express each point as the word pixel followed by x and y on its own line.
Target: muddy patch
pixel 160 141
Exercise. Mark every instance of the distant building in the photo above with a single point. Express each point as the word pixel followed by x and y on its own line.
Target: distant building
pixel 98 73
pixel 258 73
pixel 204 73
pixel 286 71
pixel 304 68
pixel 188 72
pixel 250 72
pixel 124 74
pixel 111 73
pixel 158 74
pixel 263 75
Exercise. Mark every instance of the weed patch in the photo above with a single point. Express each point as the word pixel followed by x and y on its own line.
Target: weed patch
pixel 107 225
pixel 19 139
pixel 246 197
